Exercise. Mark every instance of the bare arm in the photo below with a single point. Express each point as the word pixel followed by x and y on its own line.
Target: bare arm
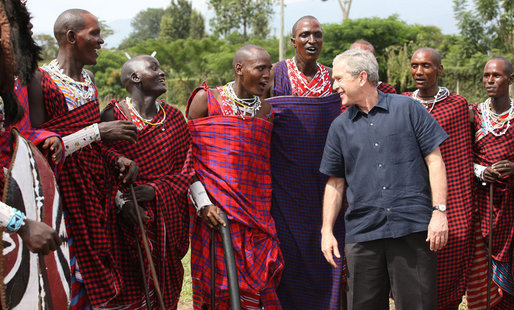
pixel 199 107
pixel 438 226
pixel 332 201
pixel 37 111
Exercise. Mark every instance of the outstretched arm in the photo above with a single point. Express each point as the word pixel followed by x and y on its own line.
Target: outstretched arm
pixel 332 202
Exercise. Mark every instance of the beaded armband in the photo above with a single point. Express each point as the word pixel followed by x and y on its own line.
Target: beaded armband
pixel 11 218
pixel 479 172
pixel 81 138
pixel 198 196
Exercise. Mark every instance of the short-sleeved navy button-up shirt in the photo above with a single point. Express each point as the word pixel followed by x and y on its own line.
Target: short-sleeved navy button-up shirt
pixel 381 155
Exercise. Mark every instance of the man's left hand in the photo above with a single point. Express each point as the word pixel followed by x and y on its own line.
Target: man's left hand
pixel 128 170
pixel 504 167
pixel 144 193
pixel 437 230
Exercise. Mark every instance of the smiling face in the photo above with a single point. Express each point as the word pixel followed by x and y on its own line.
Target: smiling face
pixel 425 70
pixel 496 78
pixel 347 86
pixel 308 39
pixel 152 78
pixel 255 73
pixel 89 40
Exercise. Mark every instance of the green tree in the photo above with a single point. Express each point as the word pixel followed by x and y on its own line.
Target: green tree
pixel 197 28
pixel 146 25
pixel 107 74
pixel 243 15
pixel 49 47
pixel 181 21
pixel 106 30
pixel 485 24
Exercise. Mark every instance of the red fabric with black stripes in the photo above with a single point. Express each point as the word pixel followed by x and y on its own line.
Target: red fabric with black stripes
pixel 386 88
pixel 232 159
pixel 162 153
pixel 487 151
pixel 88 186
pixel 454 260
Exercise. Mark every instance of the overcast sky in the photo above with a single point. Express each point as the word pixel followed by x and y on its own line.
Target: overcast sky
pixel 118 13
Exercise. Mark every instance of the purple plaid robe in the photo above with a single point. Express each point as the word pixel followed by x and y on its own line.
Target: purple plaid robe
pixel 299 132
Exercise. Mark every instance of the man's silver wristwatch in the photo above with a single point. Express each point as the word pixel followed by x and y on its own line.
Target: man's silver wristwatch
pixel 440 207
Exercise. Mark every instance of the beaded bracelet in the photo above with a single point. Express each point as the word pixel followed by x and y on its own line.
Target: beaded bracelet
pixel 17 220
pixel 11 218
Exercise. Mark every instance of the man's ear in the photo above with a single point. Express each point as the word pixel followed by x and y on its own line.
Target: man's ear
pixel 134 77
pixel 71 37
pixel 293 41
pixel 238 68
pixel 363 77
pixel 440 70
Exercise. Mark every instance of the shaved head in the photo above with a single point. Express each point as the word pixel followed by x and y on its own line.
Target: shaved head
pixel 246 52
pixel 434 55
pixel 508 64
pixel 73 20
pixel 363 44
pixel 132 66
pixel 295 26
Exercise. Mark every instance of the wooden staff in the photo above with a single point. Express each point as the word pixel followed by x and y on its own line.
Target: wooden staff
pixel 147 249
pixel 489 252
pixel 143 271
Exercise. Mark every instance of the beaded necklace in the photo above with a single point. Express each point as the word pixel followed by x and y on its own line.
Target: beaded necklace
pixel 81 92
pixel 441 95
pixel 495 123
pixel 321 85
pixel 241 106
pixel 135 115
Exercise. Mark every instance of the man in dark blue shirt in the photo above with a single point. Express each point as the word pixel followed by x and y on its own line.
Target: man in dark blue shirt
pixel 385 150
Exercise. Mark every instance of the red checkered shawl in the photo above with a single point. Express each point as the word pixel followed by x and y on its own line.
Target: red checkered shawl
pixel 386 88
pixel 36 136
pixel 231 158
pixel 162 154
pixel 453 261
pixel 488 150
pixel 87 185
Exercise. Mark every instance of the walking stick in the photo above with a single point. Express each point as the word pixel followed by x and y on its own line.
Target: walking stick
pixel 213 272
pixel 143 272
pixel 230 262
pixel 489 252
pixel 147 249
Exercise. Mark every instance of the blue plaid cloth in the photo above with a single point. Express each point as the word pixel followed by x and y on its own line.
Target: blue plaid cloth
pixel 299 132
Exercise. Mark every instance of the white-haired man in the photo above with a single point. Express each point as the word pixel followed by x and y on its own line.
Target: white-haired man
pixel 385 149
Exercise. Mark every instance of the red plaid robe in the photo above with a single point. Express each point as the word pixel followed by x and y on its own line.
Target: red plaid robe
pixel 386 88
pixel 36 136
pixel 160 152
pixel 454 260
pixel 231 158
pixel 87 186
pixel 487 151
